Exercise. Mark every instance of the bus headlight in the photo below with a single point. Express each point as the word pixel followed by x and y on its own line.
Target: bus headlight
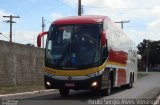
pixel 94 84
pixel 48 83
pixel 95 74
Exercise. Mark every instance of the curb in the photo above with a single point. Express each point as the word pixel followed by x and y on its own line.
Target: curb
pixel 28 94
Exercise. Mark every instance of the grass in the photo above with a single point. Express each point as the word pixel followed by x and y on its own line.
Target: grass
pixel 18 89
pixel 141 75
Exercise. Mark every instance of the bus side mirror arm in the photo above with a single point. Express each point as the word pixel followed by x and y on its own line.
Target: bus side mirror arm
pixel 39 38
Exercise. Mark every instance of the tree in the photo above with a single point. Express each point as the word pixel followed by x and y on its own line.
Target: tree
pixel 150 49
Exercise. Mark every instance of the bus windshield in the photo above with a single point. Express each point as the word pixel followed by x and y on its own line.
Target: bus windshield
pixel 73 46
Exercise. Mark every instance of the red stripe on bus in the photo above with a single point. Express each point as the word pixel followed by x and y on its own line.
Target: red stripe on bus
pixel 121 80
pixel 118 56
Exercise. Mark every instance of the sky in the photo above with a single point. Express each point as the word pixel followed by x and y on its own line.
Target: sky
pixel 143 16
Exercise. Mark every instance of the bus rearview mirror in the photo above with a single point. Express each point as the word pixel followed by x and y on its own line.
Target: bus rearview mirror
pixel 103 38
pixel 39 37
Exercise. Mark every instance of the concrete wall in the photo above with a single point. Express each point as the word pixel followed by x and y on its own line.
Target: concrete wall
pixel 20 64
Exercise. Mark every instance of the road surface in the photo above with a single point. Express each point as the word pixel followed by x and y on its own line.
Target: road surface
pixel 143 92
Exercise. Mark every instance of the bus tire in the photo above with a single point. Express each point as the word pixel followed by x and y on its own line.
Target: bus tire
pixel 107 91
pixel 64 92
pixel 130 85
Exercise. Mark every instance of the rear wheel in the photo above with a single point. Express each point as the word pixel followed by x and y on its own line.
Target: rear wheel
pixel 64 92
pixel 130 85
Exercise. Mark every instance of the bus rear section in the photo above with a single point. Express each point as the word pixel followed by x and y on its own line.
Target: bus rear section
pixel 80 55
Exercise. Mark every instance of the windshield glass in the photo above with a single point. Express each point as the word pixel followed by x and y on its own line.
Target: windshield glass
pixel 73 46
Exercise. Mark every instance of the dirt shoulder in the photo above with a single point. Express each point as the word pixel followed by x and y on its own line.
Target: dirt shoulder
pixel 19 89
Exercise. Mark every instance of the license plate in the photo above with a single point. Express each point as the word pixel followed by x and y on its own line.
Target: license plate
pixel 69 84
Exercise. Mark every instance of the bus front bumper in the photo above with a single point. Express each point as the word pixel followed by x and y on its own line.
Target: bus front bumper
pixel 90 83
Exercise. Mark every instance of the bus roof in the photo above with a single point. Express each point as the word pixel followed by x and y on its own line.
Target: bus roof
pixel 92 19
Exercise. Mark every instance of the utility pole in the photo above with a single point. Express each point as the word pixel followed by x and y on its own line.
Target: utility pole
pixel 10 21
pixel 43 26
pixel 79 8
pixel 122 22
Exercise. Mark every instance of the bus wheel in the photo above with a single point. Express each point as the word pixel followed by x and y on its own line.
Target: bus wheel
pixel 64 92
pixel 107 91
pixel 130 85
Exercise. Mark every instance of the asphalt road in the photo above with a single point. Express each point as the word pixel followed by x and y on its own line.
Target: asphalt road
pixel 143 93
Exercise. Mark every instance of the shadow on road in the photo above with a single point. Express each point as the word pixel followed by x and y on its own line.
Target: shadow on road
pixel 76 95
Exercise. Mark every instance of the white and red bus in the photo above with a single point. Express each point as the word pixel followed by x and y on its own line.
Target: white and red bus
pixel 88 52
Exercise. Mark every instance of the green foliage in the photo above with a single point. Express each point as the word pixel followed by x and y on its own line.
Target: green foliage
pixel 141 75
pixel 151 49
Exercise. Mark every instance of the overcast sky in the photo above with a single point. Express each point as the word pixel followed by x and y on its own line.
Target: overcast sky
pixel 144 16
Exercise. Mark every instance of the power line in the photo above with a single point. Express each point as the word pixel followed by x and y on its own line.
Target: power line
pixel 67 5
pixel 34 10
pixel 120 8
pixel 34 7
pixel 10 21
pixel 40 11
pixel 4 36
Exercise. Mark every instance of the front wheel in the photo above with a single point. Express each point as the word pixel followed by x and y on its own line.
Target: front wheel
pixel 64 92
pixel 107 91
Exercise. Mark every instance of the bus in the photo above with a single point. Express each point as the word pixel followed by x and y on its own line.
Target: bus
pixel 88 53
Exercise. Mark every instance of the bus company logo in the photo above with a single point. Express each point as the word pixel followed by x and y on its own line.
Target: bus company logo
pixel 69 78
